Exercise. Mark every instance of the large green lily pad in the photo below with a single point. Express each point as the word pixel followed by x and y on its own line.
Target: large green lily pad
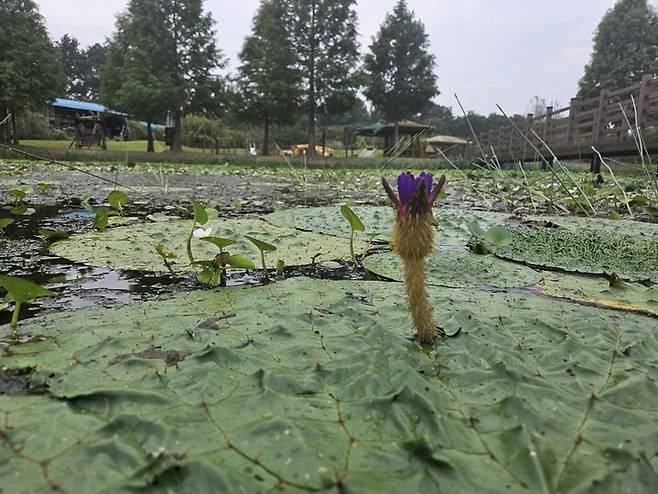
pixel 311 385
pixel 599 291
pixel 132 247
pixel 452 230
pixel 459 269
pixel 584 251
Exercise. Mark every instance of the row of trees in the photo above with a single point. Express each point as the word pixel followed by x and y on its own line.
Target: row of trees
pixel 301 58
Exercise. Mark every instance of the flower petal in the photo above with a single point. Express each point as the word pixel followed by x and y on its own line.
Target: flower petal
pixel 437 189
pixel 406 187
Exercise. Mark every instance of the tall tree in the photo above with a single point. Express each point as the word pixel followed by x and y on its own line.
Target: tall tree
pixel 163 57
pixel 625 48
pixel 268 81
pixel 400 77
pixel 30 75
pixel 81 68
pixel 324 34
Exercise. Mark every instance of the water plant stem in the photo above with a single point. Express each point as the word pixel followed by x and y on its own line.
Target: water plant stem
pixel 189 244
pixel 14 316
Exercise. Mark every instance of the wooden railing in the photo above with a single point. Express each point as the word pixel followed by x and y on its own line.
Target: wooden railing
pixel 607 122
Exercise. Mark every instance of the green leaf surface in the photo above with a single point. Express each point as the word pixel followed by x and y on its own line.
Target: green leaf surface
pixel 5 222
pixel 222 243
pixel 129 247
pixel 301 384
pixel 239 261
pixel 200 214
pixel 117 199
pixel 261 245
pixel 459 269
pixel 101 219
pixel 354 221
pixel 22 290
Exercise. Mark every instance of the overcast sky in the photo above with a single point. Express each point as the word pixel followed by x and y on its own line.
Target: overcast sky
pixel 488 51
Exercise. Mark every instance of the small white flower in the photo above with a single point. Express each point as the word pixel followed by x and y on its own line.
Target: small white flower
pixel 201 233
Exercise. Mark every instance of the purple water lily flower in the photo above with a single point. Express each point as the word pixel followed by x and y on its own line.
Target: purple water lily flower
pixel 415 194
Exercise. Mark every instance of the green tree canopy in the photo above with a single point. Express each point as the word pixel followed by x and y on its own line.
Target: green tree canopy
pixel 163 57
pixel 268 79
pixel 400 78
pixel 81 68
pixel 625 48
pixel 324 35
pixel 30 75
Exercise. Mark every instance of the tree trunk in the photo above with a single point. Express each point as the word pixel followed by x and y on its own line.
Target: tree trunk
pixel 311 86
pixel 4 127
pixel 14 129
pixel 177 145
pixel 150 147
pixel 266 136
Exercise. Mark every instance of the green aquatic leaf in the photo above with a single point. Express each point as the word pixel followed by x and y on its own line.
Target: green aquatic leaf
pixel 53 235
pixel 5 222
pixel 240 261
pixel 220 242
pixel 261 245
pixel 22 291
pixel 294 385
pixel 101 219
pixel 498 236
pixel 200 213
pixel 354 221
pixel 164 251
pixel 117 199
pixel 43 187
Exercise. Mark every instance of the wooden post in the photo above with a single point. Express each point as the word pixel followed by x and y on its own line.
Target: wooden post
pixel 572 119
pixel 642 102
pixel 528 126
pixel 595 166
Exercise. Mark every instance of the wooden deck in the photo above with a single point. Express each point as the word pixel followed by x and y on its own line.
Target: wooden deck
pixel 607 122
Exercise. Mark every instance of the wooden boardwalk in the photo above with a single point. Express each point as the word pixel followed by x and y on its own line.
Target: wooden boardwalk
pixel 607 122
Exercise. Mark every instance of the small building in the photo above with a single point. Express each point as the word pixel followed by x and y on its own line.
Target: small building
pixel 447 145
pixel 410 134
pixel 67 115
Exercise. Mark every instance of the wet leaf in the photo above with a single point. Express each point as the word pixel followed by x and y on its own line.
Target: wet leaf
pixel 354 221
pixel 101 219
pixel 220 242
pixel 260 244
pixel 200 213
pixel 5 222
pixel 239 261
pixel 117 199
pixel 164 251
pixel 22 290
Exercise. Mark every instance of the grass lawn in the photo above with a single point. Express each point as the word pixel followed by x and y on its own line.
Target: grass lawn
pixel 139 146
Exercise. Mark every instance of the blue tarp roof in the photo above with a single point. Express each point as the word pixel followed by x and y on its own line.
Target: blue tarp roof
pixel 72 104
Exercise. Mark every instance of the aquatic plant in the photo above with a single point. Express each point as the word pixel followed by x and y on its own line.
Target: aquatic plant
pixel 166 255
pixel 117 199
pixel 413 241
pixel 22 291
pixel 200 218
pixel 263 248
pixel 356 225
pixel 101 219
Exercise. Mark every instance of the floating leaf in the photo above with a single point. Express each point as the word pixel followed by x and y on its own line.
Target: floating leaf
pixel 19 210
pixel 101 219
pixel 19 192
pixel 498 235
pixel 43 187
pixel 262 246
pixel 160 217
pixel 5 222
pixel 117 199
pixel 53 235
pixel 355 222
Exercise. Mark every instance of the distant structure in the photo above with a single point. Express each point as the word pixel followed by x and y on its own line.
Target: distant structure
pixel 410 137
pixel 84 119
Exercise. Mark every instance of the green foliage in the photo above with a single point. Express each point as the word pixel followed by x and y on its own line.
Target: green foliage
pixel 625 47
pixel 5 222
pixel 200 213
pixel 29 69
pixel 117 199
pixel 353 219
pixel 324 40
pixel 22 291
pixel 304 383
pixel 81 68
pixel 585 251
pixel 221 243
pixel 261 245
pixel 101 219
pixel 268 80
pixel 399 68
pixel 163 56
